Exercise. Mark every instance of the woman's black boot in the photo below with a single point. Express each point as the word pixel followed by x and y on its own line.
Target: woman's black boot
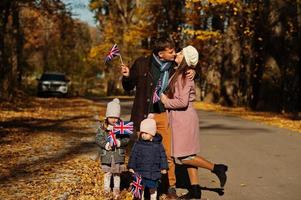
pixel 220 171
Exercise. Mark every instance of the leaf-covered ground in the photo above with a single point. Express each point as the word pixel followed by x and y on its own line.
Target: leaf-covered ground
pixel 47 150
pixel 47 147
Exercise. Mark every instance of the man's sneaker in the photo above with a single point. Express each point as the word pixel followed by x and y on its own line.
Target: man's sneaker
pixel 194 192
pixel 172 193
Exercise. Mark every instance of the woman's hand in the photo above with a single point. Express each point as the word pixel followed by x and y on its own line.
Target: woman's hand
pixel 132 171
pixel 163 171
pixel 163 98
pixel 190 74
pixel 125 70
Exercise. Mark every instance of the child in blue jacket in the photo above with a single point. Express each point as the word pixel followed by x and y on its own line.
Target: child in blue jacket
pixel 148 157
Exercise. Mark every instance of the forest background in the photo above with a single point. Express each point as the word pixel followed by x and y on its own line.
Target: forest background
pixel 250 50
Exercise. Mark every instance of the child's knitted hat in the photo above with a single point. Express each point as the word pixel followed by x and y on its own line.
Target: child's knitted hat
pixel 113 108
pixel 148 125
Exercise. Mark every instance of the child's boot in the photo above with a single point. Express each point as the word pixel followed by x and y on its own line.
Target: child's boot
pixel 106 182
pixel 116 189
pixel 116 193
pixel 153 196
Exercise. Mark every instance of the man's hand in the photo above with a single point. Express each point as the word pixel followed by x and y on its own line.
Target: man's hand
pixel 132 171
pixel 163 98
pixel 163 171
pixel 125 70
pixel 190 74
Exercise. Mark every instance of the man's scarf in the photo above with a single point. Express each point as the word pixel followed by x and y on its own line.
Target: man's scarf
pixel 162 83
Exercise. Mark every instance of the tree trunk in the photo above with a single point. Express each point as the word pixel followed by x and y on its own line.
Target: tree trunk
pixel 297 108
pixel 4 64
pixel 10 48
pixel 260 39
pixel 19 47
pixel 230 69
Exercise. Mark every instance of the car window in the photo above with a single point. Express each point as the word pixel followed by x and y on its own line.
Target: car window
pixel 54 77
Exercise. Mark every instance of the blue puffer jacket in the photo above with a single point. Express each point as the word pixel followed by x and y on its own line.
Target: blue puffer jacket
pixel 148 158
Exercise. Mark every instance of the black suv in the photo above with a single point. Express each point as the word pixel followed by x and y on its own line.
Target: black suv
pixel 53 83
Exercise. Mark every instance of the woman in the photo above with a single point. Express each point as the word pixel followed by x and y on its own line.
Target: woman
pixel 185 122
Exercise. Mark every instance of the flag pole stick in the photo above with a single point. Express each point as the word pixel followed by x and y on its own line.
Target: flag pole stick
pixel 121 59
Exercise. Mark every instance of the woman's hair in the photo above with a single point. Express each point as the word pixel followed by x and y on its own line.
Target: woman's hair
pixel 182 69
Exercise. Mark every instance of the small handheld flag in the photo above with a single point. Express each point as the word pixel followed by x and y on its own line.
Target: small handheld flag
pixel 112 139
pixel 156 96
pixel 136 186
pixel 114 51
pixel 123 128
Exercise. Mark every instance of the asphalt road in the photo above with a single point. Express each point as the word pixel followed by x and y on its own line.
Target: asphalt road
pixel 264 161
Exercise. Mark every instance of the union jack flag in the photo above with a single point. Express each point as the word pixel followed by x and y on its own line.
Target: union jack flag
pixel 112 53
pixel 136 186
pixel 112 139
pixel 123 128
pixel 156 96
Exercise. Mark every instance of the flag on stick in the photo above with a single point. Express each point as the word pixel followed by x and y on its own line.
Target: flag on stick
pixel 123 128
pixel 112 139
pixel 136 186
pixel 156 94
pixel 114 51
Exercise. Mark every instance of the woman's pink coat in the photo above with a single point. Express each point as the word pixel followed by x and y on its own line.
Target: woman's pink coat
pixel 183 119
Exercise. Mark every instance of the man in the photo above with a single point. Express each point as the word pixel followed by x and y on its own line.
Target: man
pixel 149 75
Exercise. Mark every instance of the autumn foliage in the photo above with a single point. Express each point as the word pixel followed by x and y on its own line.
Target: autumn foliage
pixel 48 150
pixel 249 50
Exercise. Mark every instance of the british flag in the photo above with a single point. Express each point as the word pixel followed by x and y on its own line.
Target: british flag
pixel 156 96
pixel 136 186
pixel 123 128
pixel 112 53
pixel 112 139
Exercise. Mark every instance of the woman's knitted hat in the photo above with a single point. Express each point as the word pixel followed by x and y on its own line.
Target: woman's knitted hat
pixel 113 108
pixel 148 125
pixel 191 55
